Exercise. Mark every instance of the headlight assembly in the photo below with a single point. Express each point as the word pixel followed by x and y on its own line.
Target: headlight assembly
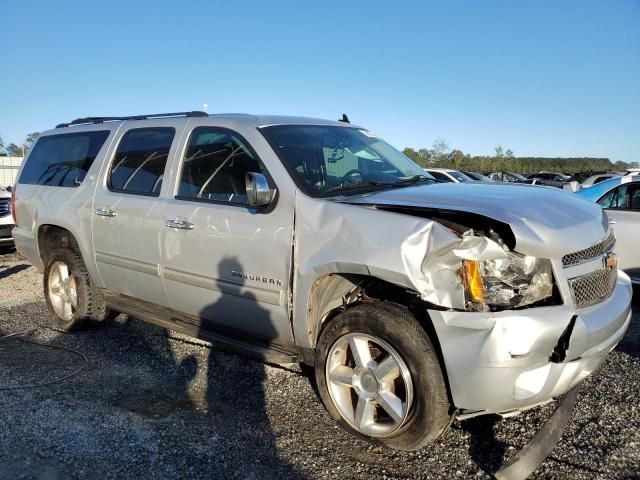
pixel 513 281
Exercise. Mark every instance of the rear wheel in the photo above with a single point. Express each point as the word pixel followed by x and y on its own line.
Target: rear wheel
pixel 378 375
pixel 71 296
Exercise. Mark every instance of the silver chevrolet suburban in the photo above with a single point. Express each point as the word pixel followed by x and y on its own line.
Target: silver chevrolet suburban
pixel 312 241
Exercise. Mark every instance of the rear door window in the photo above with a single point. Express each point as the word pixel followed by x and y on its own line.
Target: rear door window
pixel 62 160
pixel 140 160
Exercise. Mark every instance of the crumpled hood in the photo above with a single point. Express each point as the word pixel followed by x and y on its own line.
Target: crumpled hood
pixel 547 222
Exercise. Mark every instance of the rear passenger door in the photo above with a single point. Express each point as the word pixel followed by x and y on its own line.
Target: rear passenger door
pixel 127 211
pixel 226 262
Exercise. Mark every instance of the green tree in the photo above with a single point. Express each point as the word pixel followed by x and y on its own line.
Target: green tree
pixel 14 150
pixel 30 140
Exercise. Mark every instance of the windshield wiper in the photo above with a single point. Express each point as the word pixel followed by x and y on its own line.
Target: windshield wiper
pixel 370 183
pixel 351 186
pixel 412 180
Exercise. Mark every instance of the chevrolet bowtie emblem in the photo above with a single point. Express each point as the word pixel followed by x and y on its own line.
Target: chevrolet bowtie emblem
pixel 610 261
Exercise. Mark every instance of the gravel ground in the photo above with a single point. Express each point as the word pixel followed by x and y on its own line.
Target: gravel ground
pixel 155 404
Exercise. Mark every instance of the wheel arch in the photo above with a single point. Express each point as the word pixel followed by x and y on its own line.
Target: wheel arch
pixel 52 234
pixel 333 293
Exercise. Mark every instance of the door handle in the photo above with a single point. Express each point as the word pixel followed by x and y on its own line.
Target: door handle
pixel 105 212
pixel 179 224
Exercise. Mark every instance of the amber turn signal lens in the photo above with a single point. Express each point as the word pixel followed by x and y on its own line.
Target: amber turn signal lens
pixel 473 281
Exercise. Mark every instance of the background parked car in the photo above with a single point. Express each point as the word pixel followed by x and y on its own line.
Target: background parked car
pixel 6 220
pixel 594 179
pixel 620 197
pixel 449 175
pixel 550 179
pixel 478 176
pixel 511 178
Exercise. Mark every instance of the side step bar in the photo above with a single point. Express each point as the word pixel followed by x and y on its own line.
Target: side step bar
pixel 227 339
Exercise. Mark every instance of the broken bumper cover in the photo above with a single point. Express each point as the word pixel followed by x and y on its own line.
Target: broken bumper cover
pixel 500 362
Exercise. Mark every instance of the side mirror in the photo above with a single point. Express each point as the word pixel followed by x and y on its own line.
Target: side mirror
pixel 258 191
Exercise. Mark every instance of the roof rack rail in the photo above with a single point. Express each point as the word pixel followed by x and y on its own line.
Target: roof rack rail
pixel 89 120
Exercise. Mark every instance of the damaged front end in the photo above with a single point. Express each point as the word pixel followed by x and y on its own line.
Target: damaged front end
pixel 510 340
pixel 476 272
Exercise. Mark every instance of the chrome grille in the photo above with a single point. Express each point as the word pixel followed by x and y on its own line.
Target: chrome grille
pixel 593 287
pixel 590 253
pixel 5 207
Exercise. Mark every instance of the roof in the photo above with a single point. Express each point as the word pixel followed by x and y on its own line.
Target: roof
pixel 253 120
pixel 438 169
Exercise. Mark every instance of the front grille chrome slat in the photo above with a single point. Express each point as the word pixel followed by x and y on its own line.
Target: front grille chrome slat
pixel 5 207
pixel 595 251
pixel 593 288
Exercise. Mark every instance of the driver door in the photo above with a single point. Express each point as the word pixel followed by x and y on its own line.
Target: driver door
pixel 225 262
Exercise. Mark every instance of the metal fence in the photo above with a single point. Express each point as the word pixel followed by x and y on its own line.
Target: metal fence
pixel 9 169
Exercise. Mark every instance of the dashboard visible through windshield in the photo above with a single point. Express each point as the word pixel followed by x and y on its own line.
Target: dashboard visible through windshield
pixel 326 160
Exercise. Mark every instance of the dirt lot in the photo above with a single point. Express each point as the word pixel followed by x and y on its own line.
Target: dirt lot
pixel 154 404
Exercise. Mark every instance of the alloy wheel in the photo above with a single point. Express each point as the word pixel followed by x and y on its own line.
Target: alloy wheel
pixel 63 293
pixel 369 383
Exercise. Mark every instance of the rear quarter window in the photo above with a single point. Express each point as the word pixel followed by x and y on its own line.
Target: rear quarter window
pixel 62 160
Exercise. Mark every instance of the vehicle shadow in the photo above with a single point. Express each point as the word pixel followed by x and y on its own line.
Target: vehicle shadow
pixel 484 448
pixel 237 398
pixel 8 271
pixel 168 405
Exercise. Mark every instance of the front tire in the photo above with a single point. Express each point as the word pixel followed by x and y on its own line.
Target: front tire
pixel 72 298
pixel 379 376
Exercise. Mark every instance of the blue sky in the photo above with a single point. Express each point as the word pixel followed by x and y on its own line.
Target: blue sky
pixel 541 77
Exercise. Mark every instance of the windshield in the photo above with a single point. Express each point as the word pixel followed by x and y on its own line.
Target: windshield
pixel 594 192
pixel 478 176
pixel 461 177
pixel 327 160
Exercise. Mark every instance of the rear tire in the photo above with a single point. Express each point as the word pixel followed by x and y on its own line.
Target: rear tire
pixel 72 298
pixel 397 395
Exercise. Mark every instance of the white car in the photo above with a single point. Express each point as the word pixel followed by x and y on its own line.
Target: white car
pixel 620 197
pixel 594 179
pixel 449 175
pixel 6 220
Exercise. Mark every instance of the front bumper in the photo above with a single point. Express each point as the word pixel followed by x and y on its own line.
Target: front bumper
pixel 500 362
pixel 5 233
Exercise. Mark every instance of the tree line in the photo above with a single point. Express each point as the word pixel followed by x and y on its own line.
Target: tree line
pixel 442 156
pixel 13 150
pixel 504 160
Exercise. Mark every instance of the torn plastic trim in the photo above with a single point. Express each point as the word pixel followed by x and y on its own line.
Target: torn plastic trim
pixel 559 353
